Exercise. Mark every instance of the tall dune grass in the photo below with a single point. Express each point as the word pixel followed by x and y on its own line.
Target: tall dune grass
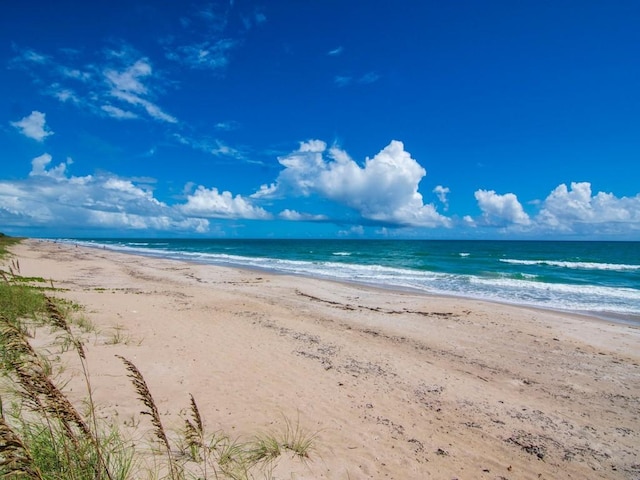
pixel 44 436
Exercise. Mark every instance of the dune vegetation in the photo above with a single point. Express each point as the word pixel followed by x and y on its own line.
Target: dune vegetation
pixel 44 435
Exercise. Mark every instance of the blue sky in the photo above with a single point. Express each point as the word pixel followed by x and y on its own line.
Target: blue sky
pixel 349 119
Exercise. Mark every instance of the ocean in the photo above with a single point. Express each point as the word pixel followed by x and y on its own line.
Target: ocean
pixel 601 279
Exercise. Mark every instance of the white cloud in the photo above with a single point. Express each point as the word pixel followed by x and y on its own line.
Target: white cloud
pixel 124 220
pixel 295 216
pixel 33 126
pixel 116 112
pixel 213 146
pixel 65 94
pixel 210 203
pixel 570 209
pixel 384 190
pixel 442 193
pixel 335 51
pixel 76 74
pixel 152 109
pixel 222 149
pixel 266 191
pixel 129 80
pixel 468 221
pixel 127 86
pixel 357 230
pixel 50 197
pixel 501 210
pixel 39 167
pixel 122 79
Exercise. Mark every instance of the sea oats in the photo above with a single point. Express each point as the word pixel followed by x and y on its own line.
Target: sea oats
pixel 144 394
pixel 15 458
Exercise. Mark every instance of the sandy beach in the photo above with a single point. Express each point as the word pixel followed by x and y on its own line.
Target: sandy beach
pixel 394 385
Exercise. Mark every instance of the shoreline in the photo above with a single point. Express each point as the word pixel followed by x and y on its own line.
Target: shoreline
pixel 394 384
pixel 629 319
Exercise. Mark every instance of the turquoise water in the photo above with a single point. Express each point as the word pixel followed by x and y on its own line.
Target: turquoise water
pixel 598 278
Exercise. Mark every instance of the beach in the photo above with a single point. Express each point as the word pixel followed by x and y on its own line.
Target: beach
pixel 393 384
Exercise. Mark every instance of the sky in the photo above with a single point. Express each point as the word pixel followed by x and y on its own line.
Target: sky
pixel 424 119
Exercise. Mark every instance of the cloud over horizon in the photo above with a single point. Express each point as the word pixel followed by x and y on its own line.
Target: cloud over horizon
pixel 210 203
pixel 501 210
pixel 572 211
pixel 384 190
pixel 50 196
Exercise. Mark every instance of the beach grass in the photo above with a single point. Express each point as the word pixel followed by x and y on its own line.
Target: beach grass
pixel 6 242
pixel 43 435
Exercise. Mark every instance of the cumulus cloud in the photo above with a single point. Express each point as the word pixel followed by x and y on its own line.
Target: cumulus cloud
pixel 39 167
pixel 500 210
pixel 573 211
pixel 356 230
pixel 295 216
pixel 115 202
pixel 384 190
pixel 33 126
pixel 210 203
pixel 128 221
pixel 49 196
pixel 568 209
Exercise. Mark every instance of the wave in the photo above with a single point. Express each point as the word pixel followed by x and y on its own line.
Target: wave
pixel 522 289
pixel 587 291
pixel 574 265
pixel 583 298
pixel 517 288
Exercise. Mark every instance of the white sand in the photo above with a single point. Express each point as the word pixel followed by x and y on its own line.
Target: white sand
pixel 394 385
